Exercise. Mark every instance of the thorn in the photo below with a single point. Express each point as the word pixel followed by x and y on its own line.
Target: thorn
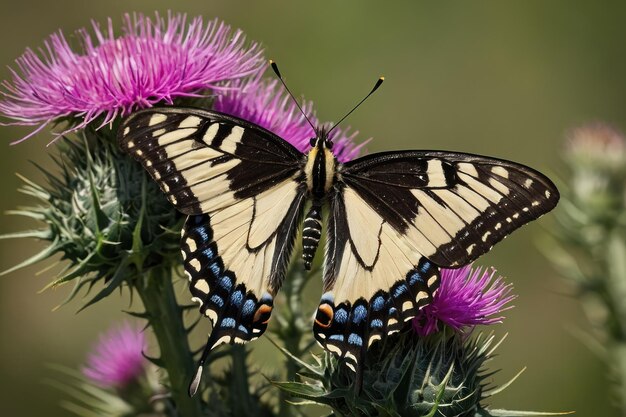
pixel 157 361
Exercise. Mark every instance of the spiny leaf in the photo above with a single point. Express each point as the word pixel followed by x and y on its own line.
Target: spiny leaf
pixel 303 390
pixel 505 385
pixel 35 234
pixel 50 250
pixel 118 277
pixel 156 361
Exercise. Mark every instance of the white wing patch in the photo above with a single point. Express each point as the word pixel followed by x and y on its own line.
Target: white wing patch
pixel 270 209
pixel 364 225
pixel 245 233
pixel 395 259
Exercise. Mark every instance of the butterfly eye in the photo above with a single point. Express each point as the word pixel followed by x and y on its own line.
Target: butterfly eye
pixel 262 314
pixel 312 141
pixel 324 315
pixel 329 144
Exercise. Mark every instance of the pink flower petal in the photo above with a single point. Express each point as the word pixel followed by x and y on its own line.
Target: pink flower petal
pixel 466 298
pixel 152 61
pixel 117 358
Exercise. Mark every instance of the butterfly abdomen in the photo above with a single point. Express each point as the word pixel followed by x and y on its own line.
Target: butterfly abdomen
pixel 311 233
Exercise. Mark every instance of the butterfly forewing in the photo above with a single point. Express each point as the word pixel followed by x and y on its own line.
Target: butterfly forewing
pixel 204 161
pixel 450 207
pixel 242 189
pixel 397 217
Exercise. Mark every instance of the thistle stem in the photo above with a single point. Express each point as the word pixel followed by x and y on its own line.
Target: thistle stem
pixel 165 316
pixel 292 330
pixel 242 403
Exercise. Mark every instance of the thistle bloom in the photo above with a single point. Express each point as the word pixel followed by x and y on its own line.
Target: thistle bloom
pixel 598 144
pixel 153 61
pixel 117 359
pixel 466 297
pixel 267 104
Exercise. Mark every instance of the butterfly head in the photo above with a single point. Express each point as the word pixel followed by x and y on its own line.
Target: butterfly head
pixel 321 140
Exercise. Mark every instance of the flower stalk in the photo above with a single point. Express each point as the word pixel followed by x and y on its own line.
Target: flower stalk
pixel 165 317
pixel 589 245
pixel 293 327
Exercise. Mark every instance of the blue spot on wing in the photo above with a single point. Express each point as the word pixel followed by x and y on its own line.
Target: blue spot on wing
pixel 425 267
pixel 203 233
pixel 215 268
pixel 226 283
pixel 376 323
pixel 359 314
pixel 248 308
pixel 208 253
pixel 401 289
pixel 217 300
pixel 415 278
pixel 338 337
pixel 378 303
pixel 242 329
pixel 355 339
pixel 341 316
pixel 228 322
pixel 236 298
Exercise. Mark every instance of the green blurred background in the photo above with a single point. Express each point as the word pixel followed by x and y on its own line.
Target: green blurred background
pixel 506 79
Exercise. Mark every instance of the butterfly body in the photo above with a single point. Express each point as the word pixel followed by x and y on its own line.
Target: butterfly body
pixel 394 219
pixel 320 171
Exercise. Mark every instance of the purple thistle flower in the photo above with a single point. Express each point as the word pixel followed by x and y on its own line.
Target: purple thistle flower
pixel 153 61
pixel 466 298
pixel 117 358
pixel 267 104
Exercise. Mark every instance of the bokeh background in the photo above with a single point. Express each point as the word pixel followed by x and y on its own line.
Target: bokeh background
pixel 506 79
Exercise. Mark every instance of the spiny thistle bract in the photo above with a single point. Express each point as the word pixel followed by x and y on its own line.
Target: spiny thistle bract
pixel 102 214
pixel 406 375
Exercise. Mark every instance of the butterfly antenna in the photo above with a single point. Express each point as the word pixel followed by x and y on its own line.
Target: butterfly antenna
pixel 280 77
pixel 195 382
pixel 378 83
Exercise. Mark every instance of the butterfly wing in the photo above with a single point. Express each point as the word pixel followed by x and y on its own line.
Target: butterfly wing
pixel 397 217
pixel 241 187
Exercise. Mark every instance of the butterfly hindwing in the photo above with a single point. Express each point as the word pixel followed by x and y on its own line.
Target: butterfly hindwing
pixel 242 189
pixel 235 284
pixel 371 294
pixel 396 218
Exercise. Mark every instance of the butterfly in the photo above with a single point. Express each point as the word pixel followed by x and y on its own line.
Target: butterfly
pixel 394 219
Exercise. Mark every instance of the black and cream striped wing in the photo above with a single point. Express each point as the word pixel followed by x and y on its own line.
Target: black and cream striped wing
pixel 396 218
pixel 242 188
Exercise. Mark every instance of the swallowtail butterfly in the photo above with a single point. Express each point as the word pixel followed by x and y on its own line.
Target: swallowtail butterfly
pixel 394 219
